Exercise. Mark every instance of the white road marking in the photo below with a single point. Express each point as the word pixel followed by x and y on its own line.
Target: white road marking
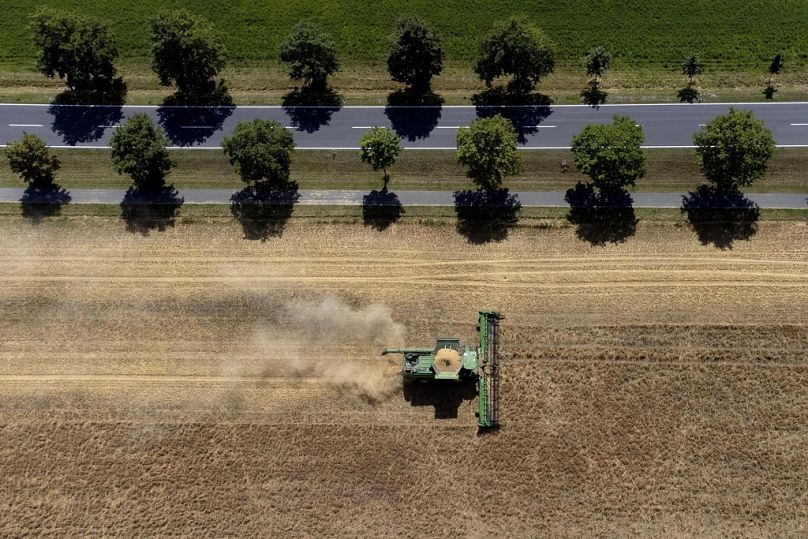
pixel 25 125
pixel 198 127
pixel 799 124
pixel 109 126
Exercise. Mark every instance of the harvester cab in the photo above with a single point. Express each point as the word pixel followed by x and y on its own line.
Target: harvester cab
pixel 447 360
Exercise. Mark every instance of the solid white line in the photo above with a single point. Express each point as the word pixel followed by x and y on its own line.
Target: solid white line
pixel 798 124
pixel 25 125
pixel 109 126
pixel 198 127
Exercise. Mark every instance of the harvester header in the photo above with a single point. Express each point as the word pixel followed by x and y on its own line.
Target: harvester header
pixel 447 360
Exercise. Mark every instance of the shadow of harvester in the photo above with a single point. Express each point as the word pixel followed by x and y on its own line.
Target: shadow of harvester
pixel 445 396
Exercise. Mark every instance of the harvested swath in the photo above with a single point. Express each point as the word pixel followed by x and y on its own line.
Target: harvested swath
pixel 165 384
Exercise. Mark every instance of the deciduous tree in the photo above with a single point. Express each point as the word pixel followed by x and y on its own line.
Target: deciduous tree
pixel 380 148
pixel 415 53
pixel 186 51
pixel 32 160
pixel 260 151
pixel 309 55
pixel 734 149
pixel 597 62
pixel 77 49
pixel 610 154
pixel 139 150
pixel 517 48
pixel 488 149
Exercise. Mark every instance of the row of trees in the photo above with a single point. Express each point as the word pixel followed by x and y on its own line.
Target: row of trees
pixel 733 151
pixel 187 52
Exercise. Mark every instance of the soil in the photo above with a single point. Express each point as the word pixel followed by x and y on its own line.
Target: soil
pixel 191 382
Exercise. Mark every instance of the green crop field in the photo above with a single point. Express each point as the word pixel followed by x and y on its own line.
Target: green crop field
pixel 728 34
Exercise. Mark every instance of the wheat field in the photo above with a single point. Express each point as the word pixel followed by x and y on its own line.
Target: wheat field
pixel 194 383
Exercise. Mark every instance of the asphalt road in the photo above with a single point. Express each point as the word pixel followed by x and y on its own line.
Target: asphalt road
pixel 414 198
pixel 666 125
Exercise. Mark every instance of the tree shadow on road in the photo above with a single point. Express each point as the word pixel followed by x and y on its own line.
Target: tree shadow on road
pixel 309 109
pixel 39 203
pixel 720 217
pixel 263 210
pixel 190 119
pixel 380 209
pixel 486 215
pixel 413 115
pixel 526 111
pixel 144 210
pixel 445 396
pixel 85 116
pixel 601 217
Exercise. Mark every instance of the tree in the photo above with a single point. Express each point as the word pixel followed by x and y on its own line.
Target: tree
pixel 734 149
pixel 260 151
pixel 610 154
pixel 691 66
pixel 139 150
pixel 518 48
pixel 488 149
pixel 309 55
pixel 80 50
pixel 775 67
pixel 380 148
pixel 415 54
pixel 31 159
pixel 597 61
pixel 186 51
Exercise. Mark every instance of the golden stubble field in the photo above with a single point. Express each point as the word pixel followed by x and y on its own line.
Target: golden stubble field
pixel 195 383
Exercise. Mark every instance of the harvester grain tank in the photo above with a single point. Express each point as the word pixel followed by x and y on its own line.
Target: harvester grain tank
pixel 448 361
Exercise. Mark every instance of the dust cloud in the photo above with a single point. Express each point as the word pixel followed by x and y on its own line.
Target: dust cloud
pixel 313 344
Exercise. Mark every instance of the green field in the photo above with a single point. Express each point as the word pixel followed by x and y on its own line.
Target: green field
pixel 731 34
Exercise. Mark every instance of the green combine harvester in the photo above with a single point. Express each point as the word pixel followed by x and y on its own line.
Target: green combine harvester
pixel 447 361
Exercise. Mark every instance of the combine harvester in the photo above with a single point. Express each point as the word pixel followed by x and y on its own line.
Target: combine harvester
pixel 446 361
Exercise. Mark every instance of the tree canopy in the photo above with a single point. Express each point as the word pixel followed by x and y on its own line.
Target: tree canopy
pixel 380 148
pixel 415 53
pixel 734 149
pixel 260 151
pixel 139 150
pixel 80 50
pixel 518 48
pixel 32 160
pixel 610 154
pixel 776 66
pixel 309 55
pixel 597 60
pixel 186 51
pixel 488 149
pixel 692 66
